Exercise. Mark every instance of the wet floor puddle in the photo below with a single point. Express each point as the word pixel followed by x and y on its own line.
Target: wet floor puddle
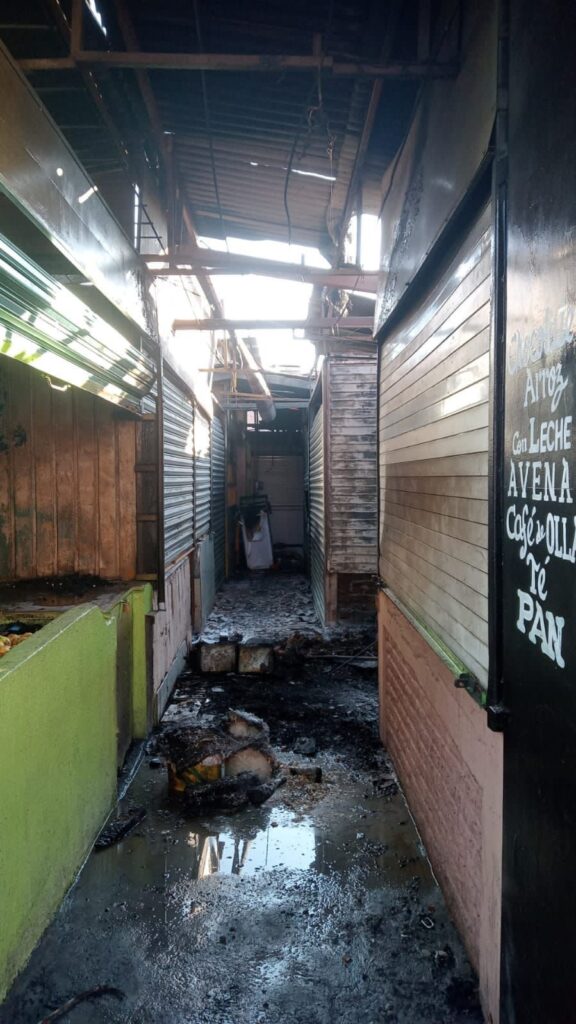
pixel 346 829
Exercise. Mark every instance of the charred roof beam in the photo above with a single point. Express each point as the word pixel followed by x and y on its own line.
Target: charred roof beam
pixel 138 59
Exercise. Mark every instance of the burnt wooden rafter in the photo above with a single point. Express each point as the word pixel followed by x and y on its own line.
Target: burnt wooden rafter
pixel 138 59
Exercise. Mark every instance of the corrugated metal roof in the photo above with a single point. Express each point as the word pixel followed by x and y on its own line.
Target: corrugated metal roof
pixel 234 134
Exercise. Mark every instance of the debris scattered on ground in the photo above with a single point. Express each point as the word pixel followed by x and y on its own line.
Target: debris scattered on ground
pixel 242 723
pixel 310 774
pixel 120 827
pixel 82 997
pixel 305 746
pixel 238 610
pixel 336 893
pixel 227 765
pixel 232 793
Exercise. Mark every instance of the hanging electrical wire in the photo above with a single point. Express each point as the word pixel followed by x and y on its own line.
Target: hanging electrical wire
pixel 209 127
pixel 314 115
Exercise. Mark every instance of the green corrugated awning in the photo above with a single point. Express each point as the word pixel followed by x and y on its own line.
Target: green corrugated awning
pixel 46 326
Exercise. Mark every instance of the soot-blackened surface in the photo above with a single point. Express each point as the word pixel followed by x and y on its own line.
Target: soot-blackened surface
pixel 317 907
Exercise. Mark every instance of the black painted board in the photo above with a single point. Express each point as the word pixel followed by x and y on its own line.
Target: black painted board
pixel 539 528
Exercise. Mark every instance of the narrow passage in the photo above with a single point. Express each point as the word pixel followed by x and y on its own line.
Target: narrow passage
pixel 317 907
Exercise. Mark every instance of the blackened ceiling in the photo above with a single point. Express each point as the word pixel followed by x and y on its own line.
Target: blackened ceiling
pixel 269 153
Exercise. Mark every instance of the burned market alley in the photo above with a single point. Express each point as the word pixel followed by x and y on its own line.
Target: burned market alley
pixel 315 906
pixel 287 512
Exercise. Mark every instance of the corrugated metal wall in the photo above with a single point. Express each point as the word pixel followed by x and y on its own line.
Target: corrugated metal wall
pixel 202 490
pixel 316 497
pixel 178 446
pixel 433 439
pixel 352 485
pixel 218 458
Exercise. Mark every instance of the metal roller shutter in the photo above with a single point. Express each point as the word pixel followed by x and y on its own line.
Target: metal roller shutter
pixel 317 536
pixel 218 456
pixel 433 444
pixel 178 447
pixel 202 474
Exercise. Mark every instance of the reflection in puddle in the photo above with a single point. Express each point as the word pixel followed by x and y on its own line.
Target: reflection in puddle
pixel 289 846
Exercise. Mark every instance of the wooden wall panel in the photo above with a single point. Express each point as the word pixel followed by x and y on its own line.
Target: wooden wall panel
pixel 43 439
pixel 107 507
pixel 352 478
pixel 65 468
pixel 67 481
pixel 87 523
pixel 433 444
pixel 19 458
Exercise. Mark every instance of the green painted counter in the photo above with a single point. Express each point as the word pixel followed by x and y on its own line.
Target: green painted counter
pixel 58 760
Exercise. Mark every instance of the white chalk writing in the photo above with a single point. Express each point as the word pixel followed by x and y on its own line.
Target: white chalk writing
pixel 539 472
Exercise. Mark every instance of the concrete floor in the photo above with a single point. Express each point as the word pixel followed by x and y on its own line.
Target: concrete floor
pixel 317 907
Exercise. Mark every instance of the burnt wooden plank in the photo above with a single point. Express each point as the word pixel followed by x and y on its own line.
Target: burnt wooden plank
pixel 45 478
pixel 23 472
pixel 147 497
pixel 7 554
pixel 352 505
pixel 126 497
pixel 87 532
pixel 108 535
pixel 65 471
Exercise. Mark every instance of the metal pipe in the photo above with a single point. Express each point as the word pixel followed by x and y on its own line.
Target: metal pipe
pixel 254 372
pixel 319 324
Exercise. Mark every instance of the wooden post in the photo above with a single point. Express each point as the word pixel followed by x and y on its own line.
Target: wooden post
pixel 77 28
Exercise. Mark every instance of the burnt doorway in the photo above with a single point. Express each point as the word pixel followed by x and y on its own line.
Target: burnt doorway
pixel 539 525
pixel 274 478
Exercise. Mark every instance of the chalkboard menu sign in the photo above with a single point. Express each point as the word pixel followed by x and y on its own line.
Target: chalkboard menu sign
pixel 539 492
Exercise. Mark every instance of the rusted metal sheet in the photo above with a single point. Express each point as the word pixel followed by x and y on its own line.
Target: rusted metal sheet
pixel 448 140
pixel 433 450
pixel 352 505
pixel 178 449
pixel 42 175
pixel 316 512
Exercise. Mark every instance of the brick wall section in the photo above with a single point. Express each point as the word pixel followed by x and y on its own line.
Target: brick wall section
pixel 450 766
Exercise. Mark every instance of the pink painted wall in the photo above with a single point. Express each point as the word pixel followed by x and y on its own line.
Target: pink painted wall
pixel 450 767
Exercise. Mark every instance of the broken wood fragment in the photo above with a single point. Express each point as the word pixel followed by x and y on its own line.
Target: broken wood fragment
pixel 91 993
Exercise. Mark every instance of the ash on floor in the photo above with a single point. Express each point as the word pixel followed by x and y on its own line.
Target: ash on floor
pixel 265 608
pixel 318 906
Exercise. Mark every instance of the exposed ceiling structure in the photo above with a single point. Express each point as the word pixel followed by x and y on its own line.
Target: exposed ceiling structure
pixel 260 120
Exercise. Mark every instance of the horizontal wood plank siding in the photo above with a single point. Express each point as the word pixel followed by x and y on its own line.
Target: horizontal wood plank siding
pixel 433 444
pixel 353 492
pixel 67 481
